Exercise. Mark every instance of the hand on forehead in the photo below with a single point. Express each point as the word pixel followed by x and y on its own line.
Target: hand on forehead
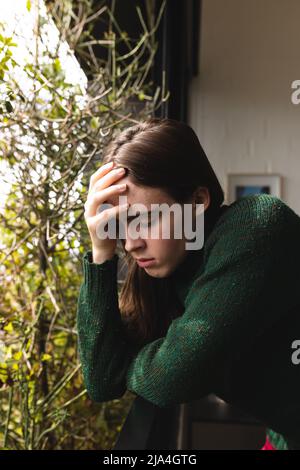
pixel 114 199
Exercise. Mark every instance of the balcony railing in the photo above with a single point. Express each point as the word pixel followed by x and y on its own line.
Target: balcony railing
pixel 148 427
pixel 208 423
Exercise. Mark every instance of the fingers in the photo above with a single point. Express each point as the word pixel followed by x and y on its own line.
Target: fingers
pixel 103 218
pixel 99 173
pixel 98 197
pixel 104 181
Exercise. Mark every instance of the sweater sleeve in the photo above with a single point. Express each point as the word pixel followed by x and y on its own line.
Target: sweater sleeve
pixel 103 346
pixel 230 302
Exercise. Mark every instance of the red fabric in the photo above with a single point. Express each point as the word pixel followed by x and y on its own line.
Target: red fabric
pixel 268 445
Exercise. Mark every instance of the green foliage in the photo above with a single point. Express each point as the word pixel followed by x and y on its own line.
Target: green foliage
pixel 51 139
pixel 6 62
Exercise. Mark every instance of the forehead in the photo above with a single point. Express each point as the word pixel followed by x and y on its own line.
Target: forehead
pixel 139 195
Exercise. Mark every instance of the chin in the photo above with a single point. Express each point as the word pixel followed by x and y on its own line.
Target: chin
pixel 158 273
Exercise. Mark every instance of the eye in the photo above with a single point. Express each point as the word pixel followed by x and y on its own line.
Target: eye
pixel 145 221
pixel 149 219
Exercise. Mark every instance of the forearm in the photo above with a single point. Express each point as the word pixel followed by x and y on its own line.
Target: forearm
pixel 104 349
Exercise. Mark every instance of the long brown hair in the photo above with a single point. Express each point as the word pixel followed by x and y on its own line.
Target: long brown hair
pixel 162 153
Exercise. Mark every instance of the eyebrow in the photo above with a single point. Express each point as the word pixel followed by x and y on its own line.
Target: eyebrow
pixel 140 213
pixel 154 211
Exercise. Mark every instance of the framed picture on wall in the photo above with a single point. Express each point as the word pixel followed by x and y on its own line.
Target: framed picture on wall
pixel 239 185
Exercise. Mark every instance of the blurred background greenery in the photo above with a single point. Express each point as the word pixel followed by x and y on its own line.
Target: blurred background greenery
pixel 71 77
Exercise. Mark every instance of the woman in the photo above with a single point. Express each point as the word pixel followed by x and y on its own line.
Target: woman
pixel 219 319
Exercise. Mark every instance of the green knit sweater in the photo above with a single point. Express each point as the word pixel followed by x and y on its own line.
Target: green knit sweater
pixel 241 297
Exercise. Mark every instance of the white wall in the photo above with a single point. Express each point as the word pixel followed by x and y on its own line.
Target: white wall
pixel 240 103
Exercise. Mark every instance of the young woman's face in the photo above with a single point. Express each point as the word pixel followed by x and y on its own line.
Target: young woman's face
pixel 167 253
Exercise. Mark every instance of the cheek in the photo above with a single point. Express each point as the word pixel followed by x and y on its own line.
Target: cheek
pixel 170 246
pixel 164 248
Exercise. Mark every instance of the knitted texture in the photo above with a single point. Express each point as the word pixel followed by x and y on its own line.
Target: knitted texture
pixel 241 315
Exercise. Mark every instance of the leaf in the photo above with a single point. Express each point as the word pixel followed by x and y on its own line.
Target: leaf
pixel 9 327
pixel 95 123
pixel 3 372
pixel 70 352
pixel 17 356
pixel 60 339
pixel 46 357
pixel 103 108
pixel 8 106
pixel 57 65
pixel 28 5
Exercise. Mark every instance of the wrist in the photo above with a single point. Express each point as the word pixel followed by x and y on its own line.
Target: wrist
pixel 100 257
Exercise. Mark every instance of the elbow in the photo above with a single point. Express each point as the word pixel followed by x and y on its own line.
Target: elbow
pixel 101 394
pixel 160 400
pixel 102 398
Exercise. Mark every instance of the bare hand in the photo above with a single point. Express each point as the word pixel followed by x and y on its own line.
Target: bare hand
pixel 100 189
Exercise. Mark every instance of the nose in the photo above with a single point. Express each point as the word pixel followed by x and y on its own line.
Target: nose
pixel 133 244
